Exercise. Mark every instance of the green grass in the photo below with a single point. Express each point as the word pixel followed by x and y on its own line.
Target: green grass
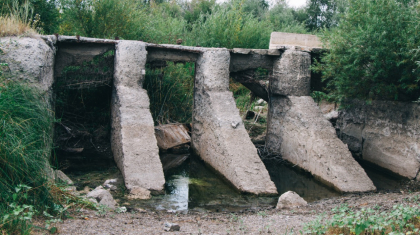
pixel 25 148
pixel 401 219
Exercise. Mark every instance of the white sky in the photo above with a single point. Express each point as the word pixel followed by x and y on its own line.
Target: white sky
pixel 296 3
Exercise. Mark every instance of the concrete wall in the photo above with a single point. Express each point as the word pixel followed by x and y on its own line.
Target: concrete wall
pixel 385 133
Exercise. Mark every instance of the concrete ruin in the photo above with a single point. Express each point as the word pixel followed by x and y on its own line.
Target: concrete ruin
pixel 296 127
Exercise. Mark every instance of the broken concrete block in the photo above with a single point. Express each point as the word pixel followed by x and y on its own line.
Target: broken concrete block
pixel 291 74
pixel 102 196
pixel 133 138
pixel 171 135
pixel 290 199
pixel 218 134
pixel 298 131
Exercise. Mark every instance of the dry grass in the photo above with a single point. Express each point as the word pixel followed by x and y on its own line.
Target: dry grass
pixel 12 26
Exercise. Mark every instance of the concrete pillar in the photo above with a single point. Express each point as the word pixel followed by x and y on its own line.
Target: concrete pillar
pixel 298 131
pixel 219 136
pixel 133 138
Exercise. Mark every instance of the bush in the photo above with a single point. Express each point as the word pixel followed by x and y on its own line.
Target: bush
pixel 371 52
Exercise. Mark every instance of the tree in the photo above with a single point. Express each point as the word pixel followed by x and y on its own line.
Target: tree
pixel 324 13
pixel 371 52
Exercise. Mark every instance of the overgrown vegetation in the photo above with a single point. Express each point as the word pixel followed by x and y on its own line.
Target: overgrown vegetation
pixel 18 20
pixel 371 53
pixel 401 219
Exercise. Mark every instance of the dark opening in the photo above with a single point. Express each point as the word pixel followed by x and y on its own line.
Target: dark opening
pixel 82 109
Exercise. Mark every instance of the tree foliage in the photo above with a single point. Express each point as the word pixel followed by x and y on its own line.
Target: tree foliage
pixel 371 52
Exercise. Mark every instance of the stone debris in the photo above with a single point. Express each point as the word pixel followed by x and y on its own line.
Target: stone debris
pixel 110 184
pixel 102 196
pixel 170 227
pixel 60 176
pixel 171 135
pixel 139 193
pixel 290 199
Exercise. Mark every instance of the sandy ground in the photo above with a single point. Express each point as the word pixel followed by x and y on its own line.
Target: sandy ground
pixel 259 221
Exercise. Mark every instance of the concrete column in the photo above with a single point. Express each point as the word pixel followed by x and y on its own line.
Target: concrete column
pixel 133 138
pixel 219 136
pixel 298 131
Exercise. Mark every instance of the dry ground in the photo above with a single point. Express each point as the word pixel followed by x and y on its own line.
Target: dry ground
pixel 259 221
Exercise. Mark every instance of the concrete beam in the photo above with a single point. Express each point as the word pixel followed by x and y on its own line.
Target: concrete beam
pixel 219 136
pixel 297 130
pixel 241 62
pixel 175 55
pixel 133 138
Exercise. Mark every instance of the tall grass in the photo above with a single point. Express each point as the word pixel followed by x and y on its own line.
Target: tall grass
pixel 25 147
pixel 18 21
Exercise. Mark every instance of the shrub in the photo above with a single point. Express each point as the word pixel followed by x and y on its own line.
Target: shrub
pixel 371 52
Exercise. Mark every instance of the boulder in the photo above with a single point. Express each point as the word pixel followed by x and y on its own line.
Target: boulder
pixel 290 199
pixel 102 196
pixel 111 184
pixel 298 131
pixel 385 133
pixel 171 135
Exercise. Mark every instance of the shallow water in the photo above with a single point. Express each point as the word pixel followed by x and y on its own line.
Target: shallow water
pixel 194 186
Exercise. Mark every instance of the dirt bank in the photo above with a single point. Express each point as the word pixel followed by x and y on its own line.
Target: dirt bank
pixel 251 221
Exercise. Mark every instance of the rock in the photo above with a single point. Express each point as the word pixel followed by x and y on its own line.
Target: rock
pixel 290 199
pixel 258 108
pixel 261 102
pixel 170 227
pixel 139 193
pixel 297 130
pixel 110 184
pixel 385 133
pixel 218 134
pixel 60 176
pixel 133 140
pixel 102 196
pixel 171 135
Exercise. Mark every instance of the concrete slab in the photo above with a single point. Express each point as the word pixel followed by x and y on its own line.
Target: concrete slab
pixel 219 136
pixel 279 39
pixel 133 138
pixel 300 133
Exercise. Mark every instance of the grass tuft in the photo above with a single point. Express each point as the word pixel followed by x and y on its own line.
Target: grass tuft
pixel 12 26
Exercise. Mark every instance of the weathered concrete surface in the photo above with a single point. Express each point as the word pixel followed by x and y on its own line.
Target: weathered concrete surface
pixel 298 131
pixel 77 53
pixel 218 134
pixel 162 54
pixel 386 133
pixel 291 74
pixel 279 39
pixel 29 59
pixel 133 138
